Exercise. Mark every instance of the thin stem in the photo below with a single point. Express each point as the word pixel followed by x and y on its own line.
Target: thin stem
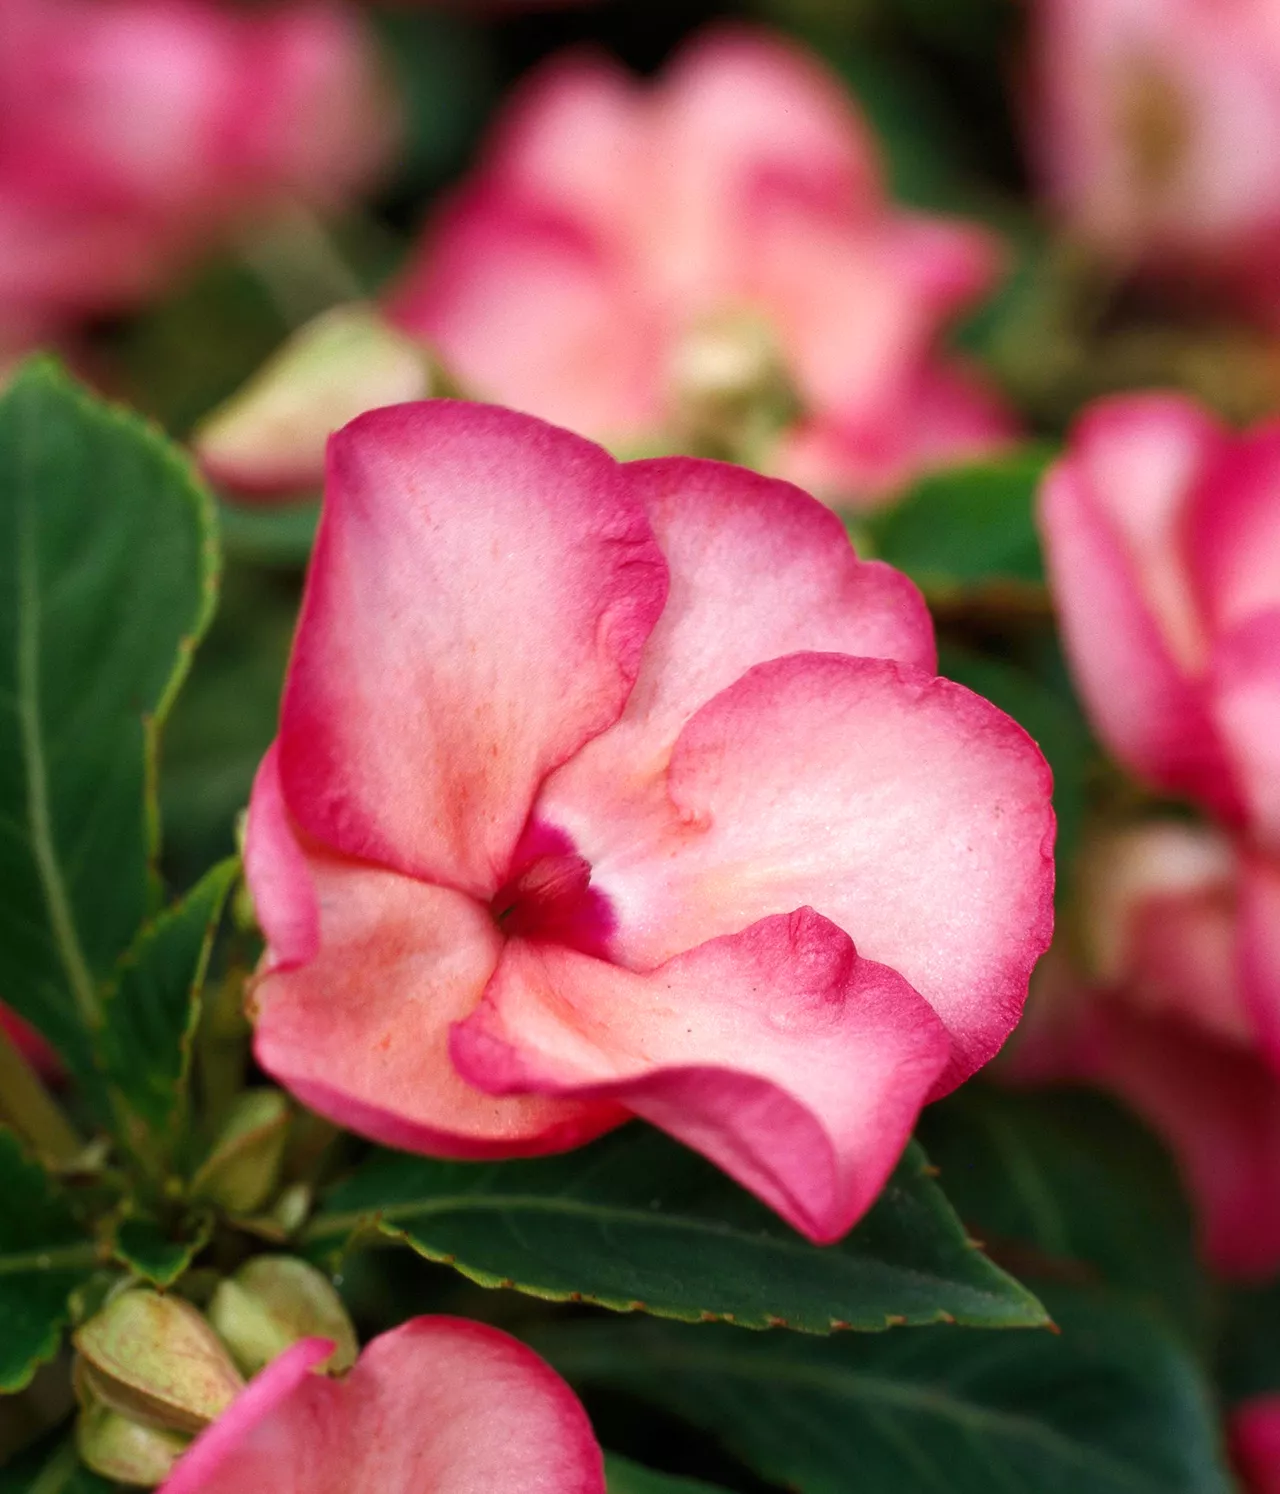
pixel 30 1108
pixel 57 1472
pixel 298 265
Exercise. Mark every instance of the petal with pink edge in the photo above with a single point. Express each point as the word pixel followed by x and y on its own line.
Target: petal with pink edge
pixel 360 1031
pixel 793 1064
pixel 1110 515
pixel 1245 686
pixel 906 809
pixel 758 570
pixel 437 1404
pixel 480 593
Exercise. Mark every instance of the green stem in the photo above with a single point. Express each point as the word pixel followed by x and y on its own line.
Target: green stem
pixel 31 1110
pixel 57 1472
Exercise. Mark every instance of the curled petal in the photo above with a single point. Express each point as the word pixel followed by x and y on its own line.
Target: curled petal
pixel 758 570
pixel 907 810
pixel 1112 513
pixel 438 1403
pixel 360 1031
pixel 778 1053
pixel 480 593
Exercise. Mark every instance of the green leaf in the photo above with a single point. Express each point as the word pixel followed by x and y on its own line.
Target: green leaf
pixel 44 1257
pixel 1066 1184
pixel 159 1255
pixel 1051 717
pixel 108 571
pixel 967 527
pixel 151 1011
pixel 1111 1405
pixel 637 1222
pixel 626 1477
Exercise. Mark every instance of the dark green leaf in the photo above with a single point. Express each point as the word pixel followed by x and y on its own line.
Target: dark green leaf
pixel 107 576
pixel 967 527
pixel 626 1477
pixel 637 1222
pixel 151 1011
pixel 157 1254
pixel 44 1256
pixel 1052 718
pixel 1067 1184
pixel 1111 1405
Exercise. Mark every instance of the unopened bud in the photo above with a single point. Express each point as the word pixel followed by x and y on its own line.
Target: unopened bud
pixel 125 1451
pixel 242 1169
pixel 271 1303
pixel 270 437
pixel 155 1360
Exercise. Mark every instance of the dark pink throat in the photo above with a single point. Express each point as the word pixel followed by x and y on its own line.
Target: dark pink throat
pixel 549 896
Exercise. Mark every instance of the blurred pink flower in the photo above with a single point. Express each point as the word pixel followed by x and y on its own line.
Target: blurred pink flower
pixel 1166 1019
pixel 437 1404
pixel 705 263
pixel 1162 535
pixel 1255 1443
pixel 133 132
pixel 1155 127
pixel 588 778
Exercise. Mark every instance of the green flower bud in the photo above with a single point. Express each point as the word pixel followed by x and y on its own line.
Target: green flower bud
pixel 155 1360
pixel 128 1452
pixel 243 1167
pixel 274 1301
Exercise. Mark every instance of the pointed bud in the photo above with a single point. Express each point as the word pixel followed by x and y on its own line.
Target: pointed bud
pixel 154 1359
pixel 270 437
pixel 127 1452
pixel 242 1169
pixel 271 1303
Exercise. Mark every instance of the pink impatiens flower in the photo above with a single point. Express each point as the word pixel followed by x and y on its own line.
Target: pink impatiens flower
pixel 1155 125
pixel 1163 1020
pixel 706 263
pixel 1162 535
pixel 438 1404
pixel 607 790
pixel 136 131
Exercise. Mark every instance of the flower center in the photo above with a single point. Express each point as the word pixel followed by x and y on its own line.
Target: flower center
pixel 549 896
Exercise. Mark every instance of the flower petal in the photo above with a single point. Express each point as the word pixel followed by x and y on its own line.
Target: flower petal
pixel 1112 513
pixel 438 1403
pixel 1246 705
pixel 778 1053
pixel 1260 949
pixel 758 570
pixel 530 308
pixel 1233 543
pixel 480 593
pixel 360 1031
pixel 909 811
pixel 1255 1443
